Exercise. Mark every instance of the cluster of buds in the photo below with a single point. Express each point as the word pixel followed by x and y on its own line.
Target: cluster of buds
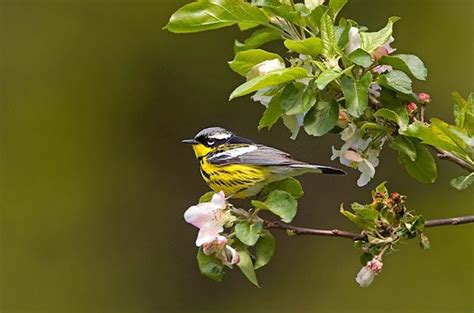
pixel 423 98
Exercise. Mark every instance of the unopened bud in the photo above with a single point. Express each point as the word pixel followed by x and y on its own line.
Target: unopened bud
pixel 411 107
pixel 265 67
pixel 424 97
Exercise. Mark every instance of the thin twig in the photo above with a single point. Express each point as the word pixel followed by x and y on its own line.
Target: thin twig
pixel 354 236
pixel 445 155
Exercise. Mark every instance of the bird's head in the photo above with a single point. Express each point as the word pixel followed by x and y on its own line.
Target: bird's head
pixel 210 138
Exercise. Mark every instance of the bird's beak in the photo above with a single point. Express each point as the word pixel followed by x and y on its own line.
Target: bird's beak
pixel 189 141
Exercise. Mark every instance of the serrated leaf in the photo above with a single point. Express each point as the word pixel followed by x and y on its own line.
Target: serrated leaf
pixel 328 37
pixel 210 266
pixel 270 79
pixel 290 185
pixel 310 46
pixel 271 114
pixel 283 204
pixel 246 266
pixel 410 64
pixel 423 168
pixel 326 77
pixel 321 118
pixel 248 233
pixel 257 39
pixel 392 116
pixel 462 182
pixel 205 15
pixel 297 98
pixel 336 6
pixel 363 217
pixel 356 94
pixel 464 113
pixel 396 80
pixel 264 249
pixel 361 58
pixel 403 145
pixel 371 41
pixel 291 122
pixel 244 61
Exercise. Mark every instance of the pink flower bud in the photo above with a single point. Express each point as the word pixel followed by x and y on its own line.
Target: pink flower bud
pixel 380 52
pixel 375 265
pixel 424 97
pixel 343 119
pixel 411 107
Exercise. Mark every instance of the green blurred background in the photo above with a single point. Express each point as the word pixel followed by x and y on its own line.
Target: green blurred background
pixel 95 98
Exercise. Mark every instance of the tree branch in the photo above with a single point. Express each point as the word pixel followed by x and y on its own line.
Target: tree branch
pixel 445 155
pixel 354 236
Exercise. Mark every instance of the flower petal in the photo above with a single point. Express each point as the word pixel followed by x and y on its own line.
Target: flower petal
pixel 365 277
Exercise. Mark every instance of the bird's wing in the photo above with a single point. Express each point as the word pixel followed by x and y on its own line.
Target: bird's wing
pixel 252 155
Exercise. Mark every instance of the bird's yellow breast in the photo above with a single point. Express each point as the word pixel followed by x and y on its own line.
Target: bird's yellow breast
pixel 234 179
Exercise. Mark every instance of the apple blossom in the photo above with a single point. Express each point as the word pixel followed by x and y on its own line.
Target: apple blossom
pixel 367 273
pixel 265 67
pixel 209 217
pixel 313 4
pixel 411 107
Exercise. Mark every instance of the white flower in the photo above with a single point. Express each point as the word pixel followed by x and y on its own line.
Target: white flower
pixel 313 4
pixel 230 256
pixel 367 274
pixel 358 152
pixel 209 217
pixel 365 277
pixel 375 89
pixel 262 97
pixel 265 67
pixel 380 69
pixel 354 40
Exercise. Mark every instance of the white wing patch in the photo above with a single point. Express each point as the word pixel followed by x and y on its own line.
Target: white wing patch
pixel 230 154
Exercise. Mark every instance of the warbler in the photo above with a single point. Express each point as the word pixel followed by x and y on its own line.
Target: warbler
pixel 240 167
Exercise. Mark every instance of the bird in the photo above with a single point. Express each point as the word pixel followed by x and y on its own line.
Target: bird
pixel 240 167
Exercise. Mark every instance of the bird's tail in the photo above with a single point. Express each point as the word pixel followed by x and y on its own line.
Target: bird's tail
pixel 318 169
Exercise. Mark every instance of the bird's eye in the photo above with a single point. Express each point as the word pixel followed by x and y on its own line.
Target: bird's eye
pixel 210 142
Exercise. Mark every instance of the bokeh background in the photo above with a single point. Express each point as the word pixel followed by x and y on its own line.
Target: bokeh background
pixel 95 98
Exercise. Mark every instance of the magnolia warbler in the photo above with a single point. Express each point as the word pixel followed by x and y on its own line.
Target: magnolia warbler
pixel 240 167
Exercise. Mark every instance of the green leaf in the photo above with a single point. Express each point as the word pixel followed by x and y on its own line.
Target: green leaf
pixel 264 249
pixel 311 46
pixel 464 113
pixel 336 6
pixel 321 118
pixel 291 122
pixel 246 266
pixel 247 26
pixel 259 205
pixel 247 232
pixel 365 257
pixel 272 113
pixel 282 204
pixel 371 41
pixel 443 136
pixel 392 116
pixel 403 145
pixel 396 80
pixel 244 61
pixel 424 242
pixel 462 182
pixel 267 80
pixel 290 185
pixel 363 216
pixel 410 64
pixel 328 37
pixel 257 39
pixel 356 94
pixel 210 266
pixel 327 77
pixel 280 9
pixel 423 168
pixel 297 98
pixel 361 58
pixel 206 197
pixel 382 188
pixel 213 14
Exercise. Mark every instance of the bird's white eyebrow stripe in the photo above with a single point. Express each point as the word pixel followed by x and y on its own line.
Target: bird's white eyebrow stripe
pixel 229 154
pixel 219 136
